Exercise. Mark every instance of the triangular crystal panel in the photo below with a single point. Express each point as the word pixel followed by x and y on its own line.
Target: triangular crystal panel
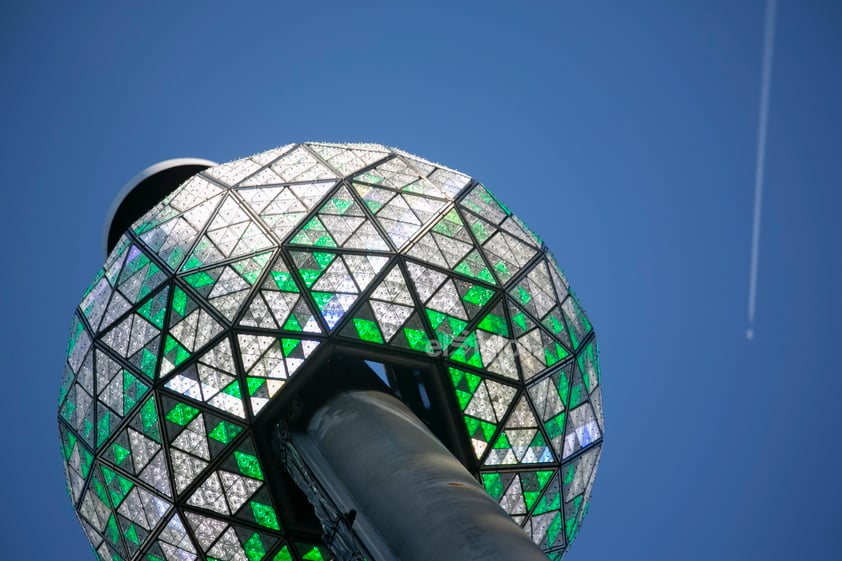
pixel 521 440
pixel 346 160
pixel 550 396
pixel 483 402
pixel 299 165
pixel 227 286
pixel 170 232
pixel 231 233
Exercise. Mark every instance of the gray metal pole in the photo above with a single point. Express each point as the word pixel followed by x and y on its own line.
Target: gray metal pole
pixel 415 501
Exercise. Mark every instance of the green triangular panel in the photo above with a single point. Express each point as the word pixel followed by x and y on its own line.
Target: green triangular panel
pixel 521 440
pixel 577 476
pixel 117 485
pixel 588 362
pixel 446 327
pixel 521 321
pixel 140 276
pixel 154 309
pixel 550 397
pixel 576 320
pixel 314 233
pixel 451 226
pixel 119 452
pixel 191 327
pixel 333 305
pixel 231 488
pixel 259 510
pixel 135 339
pixel 517 228
pixel 309 552
pixel 518 492
pixel 551 500
pixel 212 379
pixel 475 266
pixel 494 322
pixel 363 326
pixel 133 534
pixel 447 245
pixel 537 349
pixel 578 391
pixel 79 360
pixel 474 297
pixel 413 336
pixel 341 203
pixel 534 292
pixel 78 458
pixel 562 288
pixel 554 323
pixel 279 305
pixel 346 223
pixel 533 484
pixel 220 433
pixel 255 544
pixel 496 483
pixel 574 514
pixel 146 420
pixel 226 287
pixel 283 554
pixel 106 423
pixel 246 462
pixel 311 264
pixel 480 201
pixel 174 229
pixel 545 529
pixel 468 351
pixel 481 229
pixel 483 403
pixel 506 254
pixel 488 346
pixel 78 411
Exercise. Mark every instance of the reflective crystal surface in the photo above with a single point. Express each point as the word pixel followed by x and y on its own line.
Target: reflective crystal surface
pixel 216 297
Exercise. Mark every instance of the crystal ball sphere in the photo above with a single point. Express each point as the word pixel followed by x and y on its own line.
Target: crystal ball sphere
pixel 215 300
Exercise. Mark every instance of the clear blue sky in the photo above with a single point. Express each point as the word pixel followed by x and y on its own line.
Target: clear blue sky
pixel 623 133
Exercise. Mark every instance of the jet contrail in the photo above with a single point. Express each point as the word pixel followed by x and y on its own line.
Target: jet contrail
pixel 768 44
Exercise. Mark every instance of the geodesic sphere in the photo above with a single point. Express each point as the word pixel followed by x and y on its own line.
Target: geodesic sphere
pixel 216 299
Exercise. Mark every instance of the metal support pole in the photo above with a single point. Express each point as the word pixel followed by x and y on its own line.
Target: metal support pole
pixel 413 500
